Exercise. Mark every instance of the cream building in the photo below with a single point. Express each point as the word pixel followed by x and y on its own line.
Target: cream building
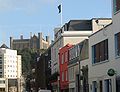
pixel 104 51
pixel 10 70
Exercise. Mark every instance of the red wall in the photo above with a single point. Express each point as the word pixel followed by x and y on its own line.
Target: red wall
pixel 64 67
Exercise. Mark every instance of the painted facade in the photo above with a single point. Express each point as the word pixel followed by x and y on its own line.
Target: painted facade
pixel 63 61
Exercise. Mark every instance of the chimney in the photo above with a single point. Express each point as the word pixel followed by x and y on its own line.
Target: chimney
pixel 11 42
pixel 48 40
pixel 21 37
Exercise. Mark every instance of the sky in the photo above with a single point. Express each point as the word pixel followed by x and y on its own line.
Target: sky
pixel 24 16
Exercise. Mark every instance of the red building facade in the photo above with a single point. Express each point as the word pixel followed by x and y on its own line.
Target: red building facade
pixel 63 61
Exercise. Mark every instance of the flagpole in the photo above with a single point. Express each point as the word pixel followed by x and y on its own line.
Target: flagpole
pixel 61 16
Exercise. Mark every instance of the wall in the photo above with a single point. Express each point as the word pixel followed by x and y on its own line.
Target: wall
pixel 101 22
pixel 99 71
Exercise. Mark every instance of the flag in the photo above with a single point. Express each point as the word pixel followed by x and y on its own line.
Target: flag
pixel 59 8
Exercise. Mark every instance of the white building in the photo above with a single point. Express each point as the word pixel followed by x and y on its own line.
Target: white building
pixel 104 51
pixel 10 70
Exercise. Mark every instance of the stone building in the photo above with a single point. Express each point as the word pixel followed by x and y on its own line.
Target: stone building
pixel 35 42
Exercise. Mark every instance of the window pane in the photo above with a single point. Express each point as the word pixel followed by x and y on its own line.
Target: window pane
pixel 102 56
pixel 118 84
pixel 117 5
pixel 106 49
pixel 101 86
pixel 98 53
pixel 108 86
pixel 94 86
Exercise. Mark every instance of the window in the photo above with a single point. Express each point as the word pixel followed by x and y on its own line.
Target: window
pixel 116 5
pixel 100 52
pixel 101 86
pixel 66 75
pixel 66 56
pixel 118 84
pixel 0 66
pixel 117 44
pixel 2 82
pixel 107 85
pixel 0 62
pixel 94 86
pixel 62 59
pixel 62 76
pixel 71 73
pixel 0 72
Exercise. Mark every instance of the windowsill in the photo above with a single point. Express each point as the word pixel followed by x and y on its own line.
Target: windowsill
pixel 116 57
pixel 100 62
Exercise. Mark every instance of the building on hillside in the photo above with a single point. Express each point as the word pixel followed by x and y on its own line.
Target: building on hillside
pixel 10 70
pixel 78 65
pixel 63 61
pixel 35 42
pixel 104 51
pixel 72 32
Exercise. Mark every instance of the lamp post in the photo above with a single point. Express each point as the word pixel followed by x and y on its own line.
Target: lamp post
pixel 58 84
pixel 79 77
pixel 79 59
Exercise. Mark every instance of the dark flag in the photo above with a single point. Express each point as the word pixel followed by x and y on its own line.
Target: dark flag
pixel 59 8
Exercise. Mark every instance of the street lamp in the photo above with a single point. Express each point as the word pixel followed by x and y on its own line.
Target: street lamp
pixel 79 59
pixel 58 83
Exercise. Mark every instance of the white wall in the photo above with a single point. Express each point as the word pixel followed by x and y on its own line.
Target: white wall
pixel 71 37
pixel 100 24
pixel 99 71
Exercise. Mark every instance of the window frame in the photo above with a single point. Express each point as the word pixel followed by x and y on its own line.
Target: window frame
pixel 117 49
pixel 66 56
pixel 99 56
pixel 115 8
pixel 63 76
pixel 62 59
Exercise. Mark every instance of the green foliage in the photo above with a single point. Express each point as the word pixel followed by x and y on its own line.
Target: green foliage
pixel 28 60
